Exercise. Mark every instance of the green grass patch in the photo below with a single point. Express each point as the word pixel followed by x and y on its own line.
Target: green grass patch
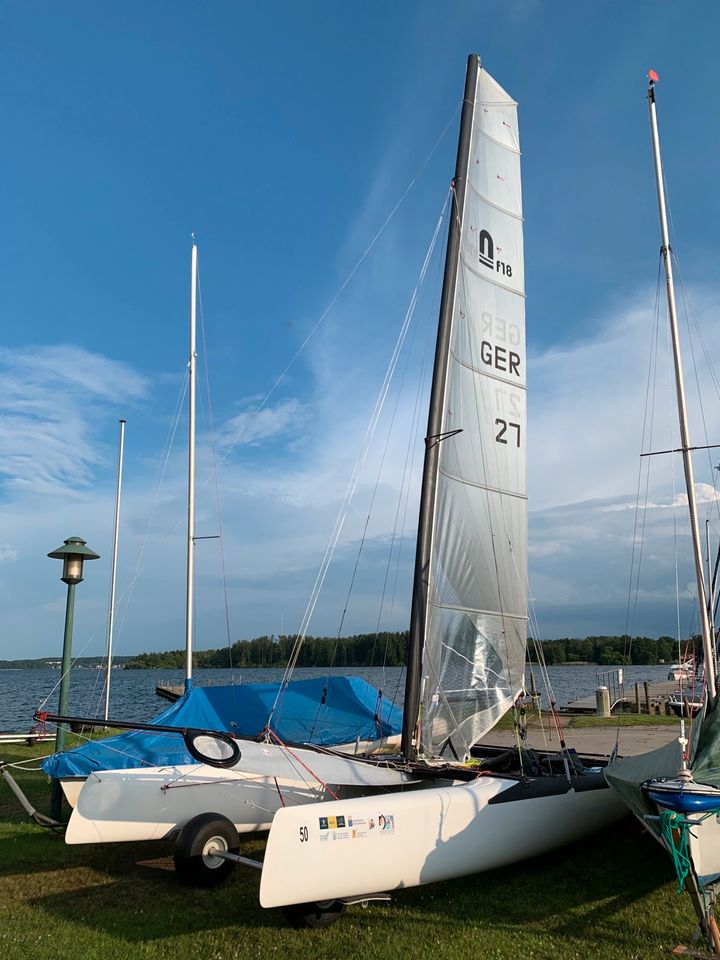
pixel 623 720
pixel 579 722
pixel 611 897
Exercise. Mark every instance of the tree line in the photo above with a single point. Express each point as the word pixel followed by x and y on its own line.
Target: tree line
pixel 605 651
pixel 362 650
pixel 388 648
pixel 95 662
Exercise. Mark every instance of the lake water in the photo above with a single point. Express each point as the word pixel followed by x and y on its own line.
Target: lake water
pixel 133 694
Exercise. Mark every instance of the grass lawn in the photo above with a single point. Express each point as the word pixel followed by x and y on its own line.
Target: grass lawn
pixel 589 720
pixel 611 897
pixel 621 720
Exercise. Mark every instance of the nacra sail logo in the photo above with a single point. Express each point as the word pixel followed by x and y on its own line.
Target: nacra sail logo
pixel 486 255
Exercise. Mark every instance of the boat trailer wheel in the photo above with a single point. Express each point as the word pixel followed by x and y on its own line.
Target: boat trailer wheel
pixel 196 848
pixel 315 915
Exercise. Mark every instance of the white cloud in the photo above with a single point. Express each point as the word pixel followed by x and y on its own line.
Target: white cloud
pixel 49 406
pixel 586 404
pixel 254 426
pixel 71 368
pixel 8 554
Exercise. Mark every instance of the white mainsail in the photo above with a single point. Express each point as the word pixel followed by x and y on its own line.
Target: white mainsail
pixel 474 650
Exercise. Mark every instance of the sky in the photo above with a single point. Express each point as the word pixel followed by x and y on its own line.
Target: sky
pixel 309 148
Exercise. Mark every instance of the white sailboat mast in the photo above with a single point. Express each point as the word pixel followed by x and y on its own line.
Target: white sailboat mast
pixel 708 645
pixel 111 611
pixel 189 598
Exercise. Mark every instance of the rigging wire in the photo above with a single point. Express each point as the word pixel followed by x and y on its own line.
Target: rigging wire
pixel 333 300
pixel 215 472
pixel 399 525
pixel 691 323
pixel 352 484
pixel 126 595
pixel 671 433
pixel 398 396
pixel 646 439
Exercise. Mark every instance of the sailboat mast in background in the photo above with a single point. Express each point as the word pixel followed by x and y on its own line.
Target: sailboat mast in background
pixel 708 645
pixel 189 598
pixel 111 611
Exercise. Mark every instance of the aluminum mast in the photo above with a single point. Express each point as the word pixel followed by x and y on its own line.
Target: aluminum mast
pixel 191 473
pixel 111 611
pixel 418 614
pixel 708 646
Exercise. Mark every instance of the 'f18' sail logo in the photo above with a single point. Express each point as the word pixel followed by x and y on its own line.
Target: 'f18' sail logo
pixel 487 249
pixel 486 255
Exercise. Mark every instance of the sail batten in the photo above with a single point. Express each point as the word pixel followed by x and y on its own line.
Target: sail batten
pixel 490 139
pixel 497 283
pixel 483 486
pixel 476 612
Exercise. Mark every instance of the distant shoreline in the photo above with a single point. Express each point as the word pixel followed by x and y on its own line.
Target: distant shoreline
pixel 387 648
pixel 131 664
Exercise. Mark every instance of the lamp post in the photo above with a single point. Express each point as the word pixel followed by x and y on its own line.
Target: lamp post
pixel 74 552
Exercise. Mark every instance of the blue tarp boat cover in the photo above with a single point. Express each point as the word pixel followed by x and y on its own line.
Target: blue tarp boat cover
pixel 352 709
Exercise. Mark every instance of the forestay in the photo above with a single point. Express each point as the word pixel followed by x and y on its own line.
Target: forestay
pixel 474 651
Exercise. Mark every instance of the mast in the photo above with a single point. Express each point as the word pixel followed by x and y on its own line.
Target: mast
pixel 111 611
pixel 708 650
pixel 189 598
pixel 418 613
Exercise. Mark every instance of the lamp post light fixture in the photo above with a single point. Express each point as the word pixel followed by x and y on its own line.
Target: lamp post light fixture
pixel 73 553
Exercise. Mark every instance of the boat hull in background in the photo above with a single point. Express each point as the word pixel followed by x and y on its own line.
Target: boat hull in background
pixel 151 803
pixel 361 748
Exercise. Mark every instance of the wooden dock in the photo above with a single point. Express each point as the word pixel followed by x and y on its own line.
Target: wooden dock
pixel 173 691
pixel 29 738
pixel 170 691
pixel 631 698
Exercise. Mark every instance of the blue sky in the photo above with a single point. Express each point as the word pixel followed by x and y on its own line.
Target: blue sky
pixel 284 134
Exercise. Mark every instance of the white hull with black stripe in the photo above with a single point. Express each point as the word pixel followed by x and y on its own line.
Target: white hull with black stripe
pixel 349 848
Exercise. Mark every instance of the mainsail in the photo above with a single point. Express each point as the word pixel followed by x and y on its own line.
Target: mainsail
pixel 476 616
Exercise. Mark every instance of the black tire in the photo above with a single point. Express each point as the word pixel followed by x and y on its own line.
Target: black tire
pixel 314 915
pixel 193 857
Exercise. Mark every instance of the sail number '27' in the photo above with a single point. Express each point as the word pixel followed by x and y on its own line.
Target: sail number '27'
pixel 506 425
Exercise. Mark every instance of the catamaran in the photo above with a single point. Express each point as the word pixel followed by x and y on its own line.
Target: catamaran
pixel 345 827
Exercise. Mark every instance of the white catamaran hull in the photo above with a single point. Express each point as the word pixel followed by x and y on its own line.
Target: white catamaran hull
pixel 72 786
pixel 150 803
pixel 353 847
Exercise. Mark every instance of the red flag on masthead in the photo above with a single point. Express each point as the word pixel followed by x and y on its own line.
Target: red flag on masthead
pixel 653 76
